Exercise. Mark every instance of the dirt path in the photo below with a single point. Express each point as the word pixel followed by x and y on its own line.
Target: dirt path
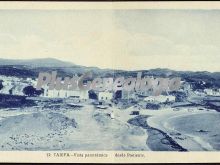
pixel 97 131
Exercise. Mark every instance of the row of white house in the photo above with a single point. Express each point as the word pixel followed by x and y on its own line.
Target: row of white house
pixel 160 99
pixel 81 94
pixel 17 86
pixel 103 96
pixel 14 85
pixel 212 92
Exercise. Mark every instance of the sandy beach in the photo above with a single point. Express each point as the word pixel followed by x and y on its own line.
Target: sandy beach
pixel 188 129
pixel 84 129
pixel 89 128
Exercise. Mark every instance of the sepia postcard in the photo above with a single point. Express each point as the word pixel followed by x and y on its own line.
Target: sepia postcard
pixel 110 82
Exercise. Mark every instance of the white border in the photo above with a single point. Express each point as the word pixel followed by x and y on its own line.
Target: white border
pixel 150 157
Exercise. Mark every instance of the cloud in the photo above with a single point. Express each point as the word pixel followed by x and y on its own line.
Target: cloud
pixel 6 39
pixel 115 48
pixel 92 39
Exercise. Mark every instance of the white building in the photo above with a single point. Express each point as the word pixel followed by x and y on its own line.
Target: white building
pixel 128 94
pixel 144 93
pixel 212 92
pixel 18 89
pixel 81 94
pixel 105 96
pixel 185 86
pixel 7 86
pixel 160 99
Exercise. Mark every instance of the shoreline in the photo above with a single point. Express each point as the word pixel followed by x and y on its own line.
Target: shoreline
pixel 157 140
pixel 205 145
pixel 186 140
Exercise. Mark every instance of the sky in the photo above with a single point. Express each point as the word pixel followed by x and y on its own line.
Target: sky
pixel 117 39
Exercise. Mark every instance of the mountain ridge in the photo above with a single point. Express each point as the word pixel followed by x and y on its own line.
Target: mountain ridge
pixel 36 62
pixel 31 68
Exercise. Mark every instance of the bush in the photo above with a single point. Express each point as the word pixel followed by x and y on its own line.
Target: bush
pixel 31 91
pixel 93 95
pixel 152 106
pixel 1 85
pixel 180 96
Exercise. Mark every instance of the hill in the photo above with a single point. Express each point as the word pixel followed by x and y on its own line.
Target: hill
pixel 31 68
pixel 40 62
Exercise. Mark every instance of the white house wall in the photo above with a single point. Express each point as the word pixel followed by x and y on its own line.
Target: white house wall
pixel 105 95
pixel 65 93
